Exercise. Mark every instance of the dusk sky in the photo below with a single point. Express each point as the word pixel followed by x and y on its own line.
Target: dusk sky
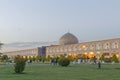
pixel 48 20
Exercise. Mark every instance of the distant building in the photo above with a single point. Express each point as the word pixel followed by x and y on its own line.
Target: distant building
pixel 42 51
pixel 69 45
pixel 67 39
pixel 27 52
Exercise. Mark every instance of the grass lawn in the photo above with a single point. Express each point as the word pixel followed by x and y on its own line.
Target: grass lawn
pixel 72 72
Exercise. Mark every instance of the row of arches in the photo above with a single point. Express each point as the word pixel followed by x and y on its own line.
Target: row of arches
pixel 90 54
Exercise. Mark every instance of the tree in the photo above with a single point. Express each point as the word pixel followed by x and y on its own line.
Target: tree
pixel 114 59
pixel 43 59
pixel 102 58
pixel 38 58
pixel 48 58
pixel 19 64
pixel 70 58
pixel 34 58
pixel 4 58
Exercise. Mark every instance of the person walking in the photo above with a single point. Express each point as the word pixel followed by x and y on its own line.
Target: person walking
pixel 99 65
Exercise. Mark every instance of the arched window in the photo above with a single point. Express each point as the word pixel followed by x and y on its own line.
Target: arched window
pixel 65 49
pixel 98 46
pixel 57 50
pixel 79 48
pixel 61 49
pixel 74 48
pixel 92 47
pixel 69 48
pixel 106 45
pixel 115 45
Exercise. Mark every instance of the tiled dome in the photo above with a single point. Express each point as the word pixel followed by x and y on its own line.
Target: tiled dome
pixel 68 38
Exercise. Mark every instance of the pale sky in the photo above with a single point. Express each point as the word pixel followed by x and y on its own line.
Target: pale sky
pixel 48 20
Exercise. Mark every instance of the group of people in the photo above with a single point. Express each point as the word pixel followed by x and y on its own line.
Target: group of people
pixel 94 62
pixel 54 61
pixel 29 61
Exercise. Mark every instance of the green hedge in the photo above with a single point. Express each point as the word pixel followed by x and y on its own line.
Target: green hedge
pixel 64 62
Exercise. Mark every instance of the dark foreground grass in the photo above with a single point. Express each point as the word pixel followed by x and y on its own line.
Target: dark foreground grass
pixel 72 72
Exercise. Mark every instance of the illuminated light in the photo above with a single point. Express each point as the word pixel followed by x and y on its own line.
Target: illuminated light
pixel 75 54
pixel 83 46
pixel 85 53
pixel 98 55
pixel 69 54
pixel 23 56
pixel 91 53
pixel 28 57
pixel 117 55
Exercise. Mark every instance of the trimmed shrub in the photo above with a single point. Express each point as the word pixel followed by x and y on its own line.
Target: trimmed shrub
pixel 19 64
pixel 114 59
pixel 64 62
pixel 102 58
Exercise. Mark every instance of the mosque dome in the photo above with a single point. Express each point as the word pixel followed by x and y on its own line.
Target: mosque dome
pixel 68 38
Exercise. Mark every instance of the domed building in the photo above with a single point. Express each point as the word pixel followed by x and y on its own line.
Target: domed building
pixel 68 38
pixel 69 46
